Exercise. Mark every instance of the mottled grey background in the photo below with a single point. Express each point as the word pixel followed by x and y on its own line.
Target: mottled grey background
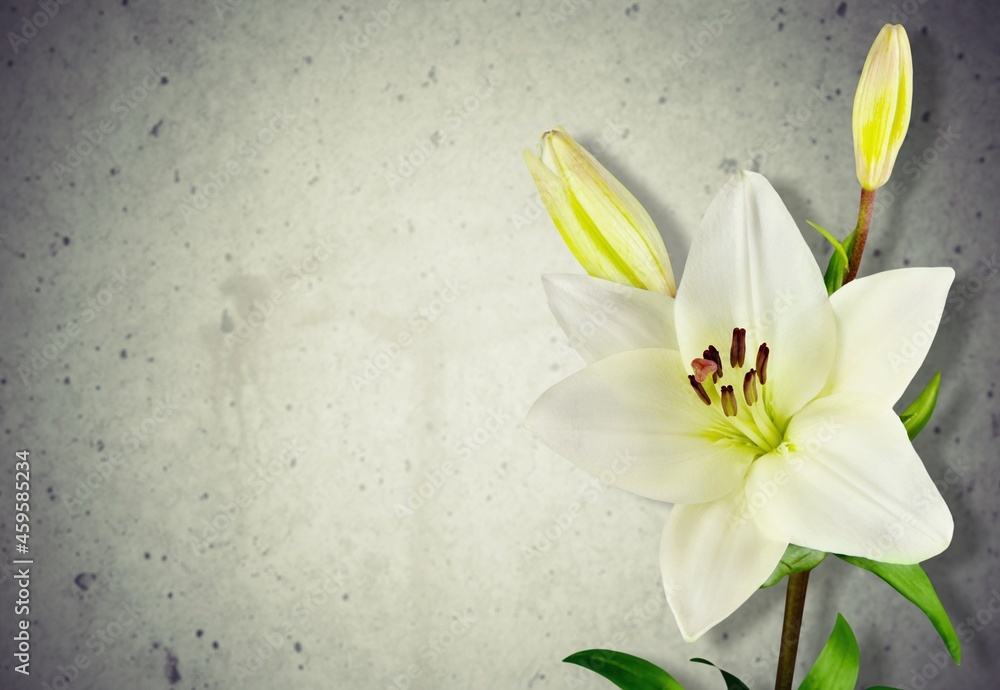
pixel 294 282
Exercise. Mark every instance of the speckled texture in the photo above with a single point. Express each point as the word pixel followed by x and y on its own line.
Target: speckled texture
pixel 270 336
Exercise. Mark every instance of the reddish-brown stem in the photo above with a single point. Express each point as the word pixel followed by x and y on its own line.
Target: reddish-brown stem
pixel 865 209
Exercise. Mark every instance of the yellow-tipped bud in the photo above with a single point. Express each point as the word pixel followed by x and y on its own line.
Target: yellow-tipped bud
pixel 608 231
pixel 882 106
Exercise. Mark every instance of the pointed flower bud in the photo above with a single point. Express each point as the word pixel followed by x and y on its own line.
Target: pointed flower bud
pixel 608 231
pixel 882 106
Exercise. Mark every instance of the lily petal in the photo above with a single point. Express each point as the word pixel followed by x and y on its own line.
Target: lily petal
pixel 713 561
pixel 851 484
pixel 633 420
pixel 602 318
pixel 749 267
pixel 885 325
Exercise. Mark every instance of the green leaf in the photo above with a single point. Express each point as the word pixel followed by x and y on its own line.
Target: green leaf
pixel 836 668
pixel 624 670
pixel 916 416
pixel 732 682
pixel 795 560
pixel 912 582
pixel 837 246
pixel 835 270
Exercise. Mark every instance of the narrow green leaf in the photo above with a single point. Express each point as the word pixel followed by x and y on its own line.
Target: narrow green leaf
pixel 795 560
pixel 624 670
pixel 836 668
pixel 912 582
pixel 835 270
pixel 916 416
pixel 732 682
pixel 837 246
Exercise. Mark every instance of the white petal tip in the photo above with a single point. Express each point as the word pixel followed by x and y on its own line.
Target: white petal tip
pixel 686 631
pixel 689 629
pixel 556 280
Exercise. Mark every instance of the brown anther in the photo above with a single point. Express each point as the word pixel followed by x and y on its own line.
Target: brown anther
pixel 750 387
pixel 713 354
pixel 762 354
pixel 700 390
pixel 703 368
pixel 738 350
pixel 728 401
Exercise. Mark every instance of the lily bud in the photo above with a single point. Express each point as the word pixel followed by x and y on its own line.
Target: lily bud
pixel 882 106
pixel 605 227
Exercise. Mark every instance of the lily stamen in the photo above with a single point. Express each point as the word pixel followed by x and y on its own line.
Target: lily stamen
pixel 762 354
pixel 713 354
pixel 738 350
pixel 750 387
pixel 729 407
pixel 699 389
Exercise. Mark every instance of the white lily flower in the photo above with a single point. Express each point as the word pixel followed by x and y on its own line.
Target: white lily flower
pixel 757 403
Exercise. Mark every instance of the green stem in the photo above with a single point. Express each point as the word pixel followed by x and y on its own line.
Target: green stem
pixel 795 601
pixel 865 209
